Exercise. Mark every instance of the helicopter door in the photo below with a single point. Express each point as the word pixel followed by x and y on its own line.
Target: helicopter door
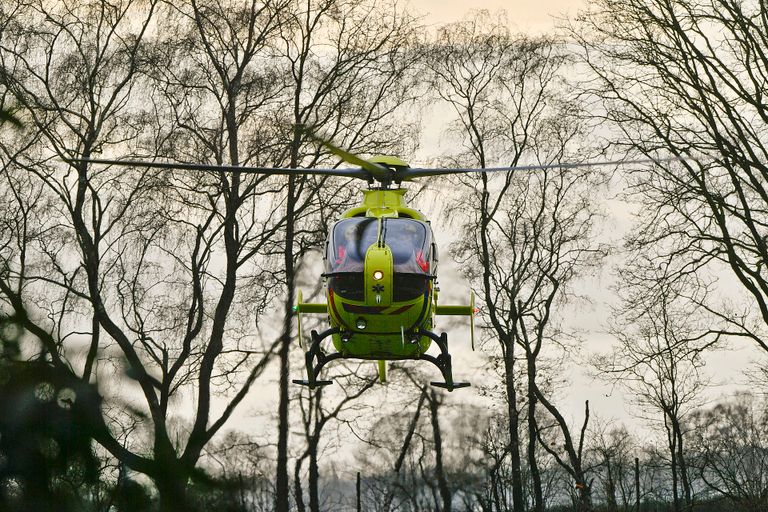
pixel 345 255
pixel 410 242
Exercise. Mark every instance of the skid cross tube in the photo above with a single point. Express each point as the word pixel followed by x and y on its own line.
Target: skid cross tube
pixel 442 361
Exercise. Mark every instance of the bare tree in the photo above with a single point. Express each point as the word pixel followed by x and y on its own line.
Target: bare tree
pixel 243 474
pixel 174 267
pixel 131 230
pixel 687 79
pixel 412 461
pixel 470 60
pixel 395 458
pixel 446 496
pixel 658 358
pixel 730 453
pixel 73 68
pixel 347 74
pixel 612 452
pixel 316 416
pixel 494 443
pixel 527 236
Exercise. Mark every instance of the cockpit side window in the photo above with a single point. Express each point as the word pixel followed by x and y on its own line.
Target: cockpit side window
pixel 435 258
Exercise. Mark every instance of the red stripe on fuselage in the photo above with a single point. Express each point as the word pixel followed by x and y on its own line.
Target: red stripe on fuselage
pixel 332 301
pixel 354 308
pixel 401 310
pixel 375 310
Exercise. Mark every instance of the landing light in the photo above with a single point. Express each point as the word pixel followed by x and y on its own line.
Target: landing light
pixel 378 275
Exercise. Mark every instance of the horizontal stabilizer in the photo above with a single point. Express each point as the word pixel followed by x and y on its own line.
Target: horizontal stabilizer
pixel 306 307
pixel 454 310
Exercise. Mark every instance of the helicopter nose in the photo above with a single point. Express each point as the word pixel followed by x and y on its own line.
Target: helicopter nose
pixel 378 276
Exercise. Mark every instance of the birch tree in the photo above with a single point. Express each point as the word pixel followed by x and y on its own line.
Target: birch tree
pixel 687 79
pixel 526 235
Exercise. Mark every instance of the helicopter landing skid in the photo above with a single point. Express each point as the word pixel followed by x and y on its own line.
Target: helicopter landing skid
pixel 442 361
pixel 315 352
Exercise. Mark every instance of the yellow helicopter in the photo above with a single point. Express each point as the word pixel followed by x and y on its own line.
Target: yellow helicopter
pixel 381 283
pixel 380 267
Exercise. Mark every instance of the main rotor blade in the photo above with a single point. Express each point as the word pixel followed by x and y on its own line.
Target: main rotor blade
pixel 348 173
pixel 377 171
pixel 410 173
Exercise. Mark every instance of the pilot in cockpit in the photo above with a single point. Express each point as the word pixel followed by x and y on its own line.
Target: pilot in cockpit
pixel 351 243
pixel 407 247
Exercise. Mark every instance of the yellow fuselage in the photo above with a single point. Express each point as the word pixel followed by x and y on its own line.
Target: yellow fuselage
pixel 382 321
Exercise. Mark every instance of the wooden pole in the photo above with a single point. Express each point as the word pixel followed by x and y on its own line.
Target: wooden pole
pixel 637 484
pixel 359 507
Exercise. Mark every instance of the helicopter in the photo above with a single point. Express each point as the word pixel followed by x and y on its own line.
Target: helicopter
pixel 381 284
pixel 380 267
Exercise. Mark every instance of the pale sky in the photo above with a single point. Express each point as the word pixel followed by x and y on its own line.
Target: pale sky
pixel 524 15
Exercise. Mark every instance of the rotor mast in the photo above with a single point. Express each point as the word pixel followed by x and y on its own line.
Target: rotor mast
pixel 393 168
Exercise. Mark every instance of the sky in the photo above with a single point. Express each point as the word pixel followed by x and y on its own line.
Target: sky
pixel 533 16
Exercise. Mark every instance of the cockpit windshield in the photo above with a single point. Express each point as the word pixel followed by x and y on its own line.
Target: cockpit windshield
pixel 349 243
pixel 409 240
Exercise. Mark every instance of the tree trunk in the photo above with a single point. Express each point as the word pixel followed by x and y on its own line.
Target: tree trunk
pixel 281 479
pixel 610 488
pixel 518 500
pixel 637 484
pixel 358 493
pixel 538 497
pixel 172 490
pixel 671 441
pixel 314 476
pixel 585 493
pixel 298 491
pixel 495 488
pixel 687 494
pixel 574 465
pixel 170 476
pixel 442 482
